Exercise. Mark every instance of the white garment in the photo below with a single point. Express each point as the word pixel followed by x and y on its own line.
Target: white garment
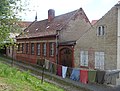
pixel 46 64
pixel 64 70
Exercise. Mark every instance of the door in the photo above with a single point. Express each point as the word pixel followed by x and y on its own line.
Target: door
pixel 66 57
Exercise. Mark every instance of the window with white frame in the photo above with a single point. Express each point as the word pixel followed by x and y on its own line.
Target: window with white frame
pixel 84 58
pixel 99 60
pixel 38 49
pixel 44 49
pixel 51 49
pixel 100 30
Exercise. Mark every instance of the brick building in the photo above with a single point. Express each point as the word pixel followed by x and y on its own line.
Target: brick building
pixel 53 39
pixel 9 50
pixel 71 40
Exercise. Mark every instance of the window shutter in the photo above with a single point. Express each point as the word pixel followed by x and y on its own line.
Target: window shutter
pixel 96 60
pixel 84 58
pixel 102 60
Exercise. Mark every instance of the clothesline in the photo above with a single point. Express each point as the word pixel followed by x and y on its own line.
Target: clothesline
pixel 81 74
pixel 67 66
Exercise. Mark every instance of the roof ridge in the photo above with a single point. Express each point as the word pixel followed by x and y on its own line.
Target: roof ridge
pixel 29 25
pixel 68 20
pixel 26 28
pixel 72 17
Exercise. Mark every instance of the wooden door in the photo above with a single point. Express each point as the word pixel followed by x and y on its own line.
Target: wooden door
pixel 66 57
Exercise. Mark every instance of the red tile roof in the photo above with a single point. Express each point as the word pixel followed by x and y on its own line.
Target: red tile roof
pixel 45 28
pixel 24 24
pixel 93 22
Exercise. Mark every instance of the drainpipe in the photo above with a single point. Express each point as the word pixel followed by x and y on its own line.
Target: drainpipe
pixel 118 36
pixel 118 41
pixel 57 35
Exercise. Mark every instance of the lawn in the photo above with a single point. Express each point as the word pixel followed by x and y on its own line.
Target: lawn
pixel 11 79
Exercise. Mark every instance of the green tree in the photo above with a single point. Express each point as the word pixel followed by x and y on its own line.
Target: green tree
pixel 9 10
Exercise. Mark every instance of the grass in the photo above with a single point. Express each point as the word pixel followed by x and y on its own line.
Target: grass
pixel 11 79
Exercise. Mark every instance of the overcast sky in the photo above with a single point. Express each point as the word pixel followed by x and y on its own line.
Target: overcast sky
pixel 94 9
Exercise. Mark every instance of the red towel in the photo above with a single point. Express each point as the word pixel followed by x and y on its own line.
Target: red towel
pixel 84 76
pixel 59 70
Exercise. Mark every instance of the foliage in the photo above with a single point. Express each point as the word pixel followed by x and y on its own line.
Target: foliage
pixel 22 80
pixel 9 16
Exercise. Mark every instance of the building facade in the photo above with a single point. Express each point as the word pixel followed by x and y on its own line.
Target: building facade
pixel 52 39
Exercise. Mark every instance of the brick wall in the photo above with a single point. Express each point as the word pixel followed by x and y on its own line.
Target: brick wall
pixel 33 57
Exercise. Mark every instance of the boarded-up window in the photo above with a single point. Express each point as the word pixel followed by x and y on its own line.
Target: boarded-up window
pixel 99 60
pixel 84 58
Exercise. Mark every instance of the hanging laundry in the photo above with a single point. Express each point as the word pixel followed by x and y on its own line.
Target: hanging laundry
pixel 91 75
pixel 110 76
pixel 69 72
pixel 84 76
pixel 54 68
pixel 59 70
pixel 46 64
pixel 100 76
pixel 75 74
pixel 50 67
pixel 64 70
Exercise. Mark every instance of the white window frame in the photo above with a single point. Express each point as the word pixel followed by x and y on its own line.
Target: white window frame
pixel 100 30
pixel 51 49
pixel 84 58
pixel 44 49
pixel 38 49
pixel 99 60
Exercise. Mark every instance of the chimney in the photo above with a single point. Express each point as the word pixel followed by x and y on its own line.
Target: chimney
pixel 51 15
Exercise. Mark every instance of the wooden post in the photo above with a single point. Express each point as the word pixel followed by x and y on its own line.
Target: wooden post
pixel 12 55
pixel 43 68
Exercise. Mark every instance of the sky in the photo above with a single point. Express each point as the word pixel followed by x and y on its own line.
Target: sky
pixel 94 9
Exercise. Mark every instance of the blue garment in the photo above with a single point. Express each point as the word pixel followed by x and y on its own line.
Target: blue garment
pixel 75 74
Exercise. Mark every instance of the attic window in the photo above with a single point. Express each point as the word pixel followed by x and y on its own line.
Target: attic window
pixel 58 24
pixel 100 30
pixel 36 29
pixel 27 31
pixel 47 27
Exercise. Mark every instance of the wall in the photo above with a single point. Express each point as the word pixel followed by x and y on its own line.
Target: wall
pixel 74 29
pixel 33 58
pixel 108 43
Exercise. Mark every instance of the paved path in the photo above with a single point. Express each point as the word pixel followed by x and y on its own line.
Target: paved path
pixel 71 85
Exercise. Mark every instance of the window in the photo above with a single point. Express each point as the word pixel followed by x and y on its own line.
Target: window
pixel 38 48
pixel 84 58
pixel 18 47
pixel 32 48
pixel 99 60
pixel 44 49
pixel 100 31
pixel 51 49
pixel 27 48
pixel 22 47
